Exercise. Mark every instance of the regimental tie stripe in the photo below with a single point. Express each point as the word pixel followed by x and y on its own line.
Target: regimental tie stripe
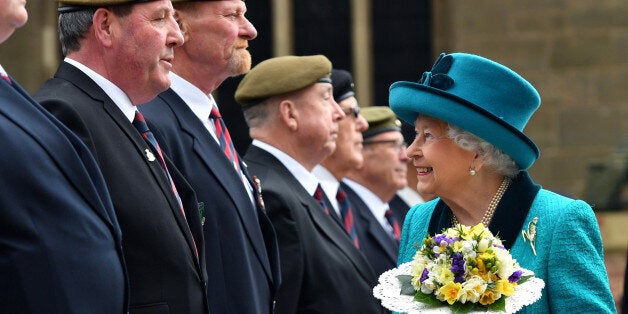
pixel 225 139
pixel 394 223
pixel 346 213
pixel 318 196
pixel 140 124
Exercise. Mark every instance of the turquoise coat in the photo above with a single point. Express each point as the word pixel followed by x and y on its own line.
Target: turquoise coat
pixel 569 251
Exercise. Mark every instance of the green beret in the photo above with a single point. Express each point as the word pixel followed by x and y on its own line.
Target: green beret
pixel 282 75
pixel 381 119
pixel 76 5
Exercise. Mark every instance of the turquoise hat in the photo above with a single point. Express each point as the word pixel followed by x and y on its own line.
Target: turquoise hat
pixel 478 95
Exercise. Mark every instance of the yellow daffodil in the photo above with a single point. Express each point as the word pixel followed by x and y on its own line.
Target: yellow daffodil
pixel 450 292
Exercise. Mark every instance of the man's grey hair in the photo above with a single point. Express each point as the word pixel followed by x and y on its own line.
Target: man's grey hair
pixel 73 26
pixel 494 157
pixel 258 115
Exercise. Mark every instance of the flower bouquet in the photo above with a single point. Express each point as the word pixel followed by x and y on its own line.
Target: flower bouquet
pixel 464 269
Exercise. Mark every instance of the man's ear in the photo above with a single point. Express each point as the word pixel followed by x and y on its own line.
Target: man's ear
pixel 289 114
pixel 103 26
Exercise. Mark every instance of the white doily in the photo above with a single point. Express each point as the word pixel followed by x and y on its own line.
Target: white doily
pixel 389 288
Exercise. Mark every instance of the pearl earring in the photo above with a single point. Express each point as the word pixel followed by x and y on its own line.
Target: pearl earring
pixel 472 172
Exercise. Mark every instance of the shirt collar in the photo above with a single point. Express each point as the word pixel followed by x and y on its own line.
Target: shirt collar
pixel 200 103
pixel 306 178
pixel 328 182
pixel 2 71
pixel 118 96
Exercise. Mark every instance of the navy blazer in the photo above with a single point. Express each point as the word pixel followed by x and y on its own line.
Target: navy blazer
pixel 322 272
pixel 60 242
pixel 160 242
pixel 240 243
pixel 379 248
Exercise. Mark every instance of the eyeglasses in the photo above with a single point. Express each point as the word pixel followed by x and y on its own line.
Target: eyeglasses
pixel 399 146
pixel 352 111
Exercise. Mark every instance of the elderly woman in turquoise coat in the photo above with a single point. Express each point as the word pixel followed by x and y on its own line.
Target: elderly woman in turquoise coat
pixel 470 151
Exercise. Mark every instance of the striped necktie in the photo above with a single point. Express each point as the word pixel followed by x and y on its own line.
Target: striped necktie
pixel 346 213
pixel 140 124
pixel 394 223
pixel 318 196
pixel 225 139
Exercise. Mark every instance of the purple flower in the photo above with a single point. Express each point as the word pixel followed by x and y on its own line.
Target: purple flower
pixel 440 238
pixel 424 275
pixel 457 267
pixel 515 276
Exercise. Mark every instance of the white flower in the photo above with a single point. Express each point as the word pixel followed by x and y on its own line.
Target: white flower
pixel 507 264
pixel 472 289
pixel 483 245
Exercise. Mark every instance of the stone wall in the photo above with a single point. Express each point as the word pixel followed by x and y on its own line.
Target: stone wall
pixel 575 52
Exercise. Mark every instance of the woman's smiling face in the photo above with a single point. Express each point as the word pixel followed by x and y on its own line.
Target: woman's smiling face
pixel 442 166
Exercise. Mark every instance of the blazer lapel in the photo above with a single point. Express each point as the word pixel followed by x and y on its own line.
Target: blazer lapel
pixel 369 223
pixel 215 160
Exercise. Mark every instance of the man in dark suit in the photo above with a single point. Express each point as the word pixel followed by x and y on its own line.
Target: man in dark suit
pixel 118 56
pixel 372 185
pixel 240 243
pixel 60 242
pixel 289 107
pixel 348 152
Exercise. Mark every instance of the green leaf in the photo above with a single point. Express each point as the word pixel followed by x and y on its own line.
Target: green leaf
pixel 462 308
pixel 406 285
pixel 499 305
pixel 428 299
pixel 524 279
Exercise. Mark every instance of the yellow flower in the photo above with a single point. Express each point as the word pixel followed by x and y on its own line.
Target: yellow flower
pixel 457 246
pixel 504 287
pixel 478 230
pixel 472 289
pixel 489 297
pixel 450 292
pixel 444 274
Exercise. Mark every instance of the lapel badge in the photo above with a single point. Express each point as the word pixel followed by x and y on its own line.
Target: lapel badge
pixel 201 211
pixel 258 187
pixel 530 234
pixel 149 155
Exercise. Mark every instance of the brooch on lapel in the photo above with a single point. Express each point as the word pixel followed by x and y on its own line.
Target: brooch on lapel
pixel 149 155
pixel 258 187
pixel 530 234
pixel 201 211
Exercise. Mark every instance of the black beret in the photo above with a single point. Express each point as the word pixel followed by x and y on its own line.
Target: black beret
pixel 381 119
pixel 282 75
pixel 343 84
pixel 76 5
